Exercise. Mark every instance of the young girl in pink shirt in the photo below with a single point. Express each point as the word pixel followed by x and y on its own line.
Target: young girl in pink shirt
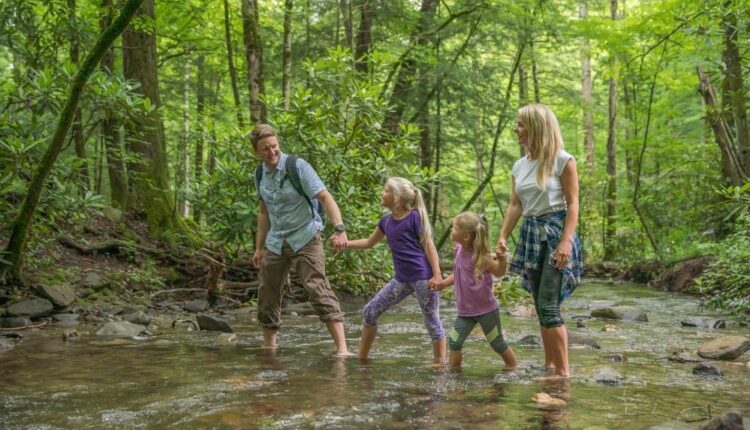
pixel 472 274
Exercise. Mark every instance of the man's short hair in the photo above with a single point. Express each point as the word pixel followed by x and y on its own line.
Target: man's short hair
pixel 261 131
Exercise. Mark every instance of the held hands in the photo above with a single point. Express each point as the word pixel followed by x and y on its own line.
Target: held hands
pixel 437 283
pixel 501 250
pixel 339 240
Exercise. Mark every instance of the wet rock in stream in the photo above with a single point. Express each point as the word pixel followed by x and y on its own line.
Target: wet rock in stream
pixel 606 375
pixel 704 369
pixel 12 322
pixel 624 313
pixel 703 322
pixel 728 421
pixel 724 348
pixel 209 323
pixel 122 329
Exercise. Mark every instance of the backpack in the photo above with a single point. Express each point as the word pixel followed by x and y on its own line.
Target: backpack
pixel 290 167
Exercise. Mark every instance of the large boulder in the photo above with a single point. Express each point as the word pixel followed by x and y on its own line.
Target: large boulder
pixel 681 277
pixel 624 313
pixel 94 280
pixel 33 308
pixel 59 295
pixel 724 348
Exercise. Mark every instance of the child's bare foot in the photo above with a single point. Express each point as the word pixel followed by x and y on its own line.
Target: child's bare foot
pixel 507 368
pixel 343 354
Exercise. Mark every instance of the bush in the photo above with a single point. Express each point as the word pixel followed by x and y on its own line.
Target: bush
pixel 725 284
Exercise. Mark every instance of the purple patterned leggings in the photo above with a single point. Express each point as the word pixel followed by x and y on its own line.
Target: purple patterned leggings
pixel 394 292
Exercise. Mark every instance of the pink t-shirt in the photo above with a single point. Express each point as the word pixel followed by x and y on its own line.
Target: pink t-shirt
pixel 473 297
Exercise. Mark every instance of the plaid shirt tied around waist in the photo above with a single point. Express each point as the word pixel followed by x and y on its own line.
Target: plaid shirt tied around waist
pixel 528 253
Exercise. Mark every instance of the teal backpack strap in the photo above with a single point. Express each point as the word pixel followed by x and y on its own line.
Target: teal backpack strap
pixel 258 175
pixel 293 175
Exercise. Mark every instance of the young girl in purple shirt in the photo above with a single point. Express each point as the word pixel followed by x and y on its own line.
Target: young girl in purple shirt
pixel 472 274
pixel 415 261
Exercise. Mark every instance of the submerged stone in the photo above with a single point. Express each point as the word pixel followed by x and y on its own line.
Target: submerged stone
pixel 704 369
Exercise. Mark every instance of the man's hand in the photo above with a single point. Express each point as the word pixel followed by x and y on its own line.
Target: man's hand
pixel 256 258
pixel 338 240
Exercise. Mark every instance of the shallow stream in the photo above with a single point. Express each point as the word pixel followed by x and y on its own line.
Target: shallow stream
pixel 183 379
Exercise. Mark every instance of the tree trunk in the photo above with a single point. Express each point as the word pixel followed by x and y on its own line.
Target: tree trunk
pixel 12 262
pixel 232 70
pixel 407 72
pixel 286 57
pixel 733 84
pixel 731 164
pixel 364 38
pixel 200 113
pixel 345 8
pixel 77 130
pixel 118 180
pixel 183 171
pixel 609 237
pixel 534 75
pixel 149 175
pixel 587 97
pixel 254 56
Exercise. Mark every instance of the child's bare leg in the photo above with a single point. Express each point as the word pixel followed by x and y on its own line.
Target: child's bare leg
pixel 269 338
pixel 454 359
pixel 509 358
pixel 438 351
pixel 336 328
pixel 366 341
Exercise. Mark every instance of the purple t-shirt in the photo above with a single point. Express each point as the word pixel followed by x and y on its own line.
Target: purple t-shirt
pixel 473 297
pixel 409 258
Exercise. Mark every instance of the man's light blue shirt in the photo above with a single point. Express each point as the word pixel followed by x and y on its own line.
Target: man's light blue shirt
pixel 289 212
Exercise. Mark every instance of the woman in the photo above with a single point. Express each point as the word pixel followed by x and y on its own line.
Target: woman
pixel 548 255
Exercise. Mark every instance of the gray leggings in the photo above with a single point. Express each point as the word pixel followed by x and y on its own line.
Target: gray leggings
pixel 546 284
pixel 490 323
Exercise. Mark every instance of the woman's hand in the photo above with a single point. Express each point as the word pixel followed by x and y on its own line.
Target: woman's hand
pixel 563 252
pixel 502 247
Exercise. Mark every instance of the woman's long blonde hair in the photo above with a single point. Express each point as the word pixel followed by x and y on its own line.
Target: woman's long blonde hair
pixel 476 226
pixel 409 197
pixel 545 138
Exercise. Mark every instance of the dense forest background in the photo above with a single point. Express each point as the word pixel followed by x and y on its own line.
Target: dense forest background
pixel 650 95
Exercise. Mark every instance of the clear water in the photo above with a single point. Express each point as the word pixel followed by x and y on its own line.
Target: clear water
pixel 181 379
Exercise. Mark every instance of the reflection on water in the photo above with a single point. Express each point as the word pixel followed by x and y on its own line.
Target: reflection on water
pixel 183 380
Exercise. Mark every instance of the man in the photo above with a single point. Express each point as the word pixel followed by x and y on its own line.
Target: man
pixel 290 234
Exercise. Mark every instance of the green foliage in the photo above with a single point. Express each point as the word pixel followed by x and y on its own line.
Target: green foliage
pixel 725 284
pixel 509 292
